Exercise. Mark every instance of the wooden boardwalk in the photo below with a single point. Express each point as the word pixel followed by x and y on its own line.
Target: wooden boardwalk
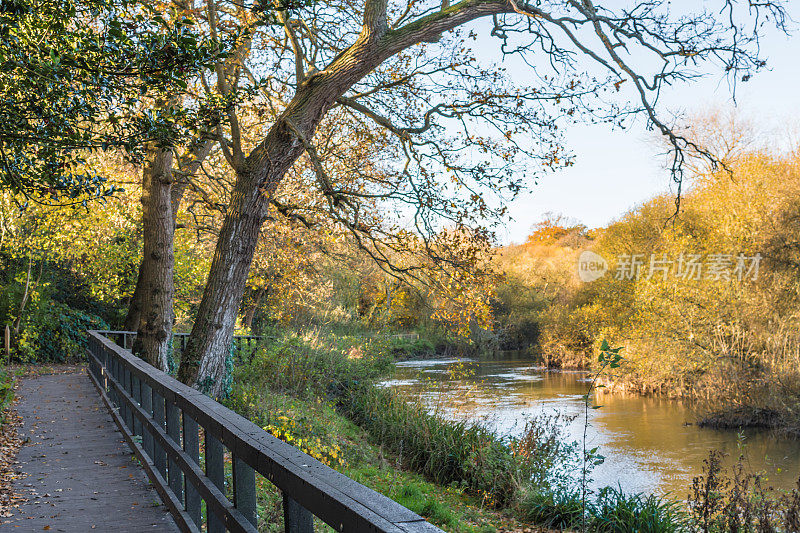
pixel 80 474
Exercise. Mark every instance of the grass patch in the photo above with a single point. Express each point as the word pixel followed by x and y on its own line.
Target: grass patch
pixel 611 511
pixel 446 452
pixel 6 393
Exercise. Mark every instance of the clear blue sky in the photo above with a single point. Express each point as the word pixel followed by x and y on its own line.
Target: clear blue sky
pixel 616 170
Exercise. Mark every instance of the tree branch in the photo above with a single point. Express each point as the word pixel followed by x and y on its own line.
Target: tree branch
pixel 430 27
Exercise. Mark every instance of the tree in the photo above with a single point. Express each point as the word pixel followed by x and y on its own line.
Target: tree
pixel 84 76
pixel 378 64
pixel 556 229
pixel 151 309
pixel 75 75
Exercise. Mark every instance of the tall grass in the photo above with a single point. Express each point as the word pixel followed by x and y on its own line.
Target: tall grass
pixel 611 511
pixel 614 511
pixel 445 451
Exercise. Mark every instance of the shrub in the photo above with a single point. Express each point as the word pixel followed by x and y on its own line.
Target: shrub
pixel 737 500
pixel 55 333
pixel 617 512
pixel 544 455
pixel 6 393
pixel 315 364
pixel 612 511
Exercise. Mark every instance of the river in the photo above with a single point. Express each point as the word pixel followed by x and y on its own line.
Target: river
pixel 650 444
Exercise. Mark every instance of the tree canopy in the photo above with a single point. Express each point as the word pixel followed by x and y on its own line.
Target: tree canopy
pixel 77 76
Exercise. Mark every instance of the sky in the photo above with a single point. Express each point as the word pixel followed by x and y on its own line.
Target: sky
pixel 614 171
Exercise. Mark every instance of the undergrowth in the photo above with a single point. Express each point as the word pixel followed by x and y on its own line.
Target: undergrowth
pixel 6 393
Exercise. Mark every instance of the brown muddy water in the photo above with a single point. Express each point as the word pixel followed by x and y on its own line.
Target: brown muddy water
pixel 650 444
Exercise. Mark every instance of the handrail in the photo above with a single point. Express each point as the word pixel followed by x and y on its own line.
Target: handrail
pixel 148 403
pixel 242 344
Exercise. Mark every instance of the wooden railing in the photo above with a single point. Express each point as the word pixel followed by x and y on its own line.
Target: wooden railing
pixel 244 346
pixel 165 422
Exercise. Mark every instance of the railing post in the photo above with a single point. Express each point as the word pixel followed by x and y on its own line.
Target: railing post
pixel 159 455
pixel 90 361
pixel 126 384
pixel 174 431
pixel 147 406
pixel 215 471
pixel 92 352
pixel 136 385
pixel 112 371
pixel 191 444
pixel 244 489
pixel 296 518
pixel 103 356
pixel 120 376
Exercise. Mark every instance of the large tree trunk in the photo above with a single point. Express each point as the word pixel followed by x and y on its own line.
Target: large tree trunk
pixel 189 164
pixel 154 331
pixel 134 316
pixel 203 360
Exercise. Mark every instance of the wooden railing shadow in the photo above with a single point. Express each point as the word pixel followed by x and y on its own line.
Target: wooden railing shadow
pixel 165 421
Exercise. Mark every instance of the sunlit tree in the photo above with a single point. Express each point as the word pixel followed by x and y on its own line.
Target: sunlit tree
pixel 456 129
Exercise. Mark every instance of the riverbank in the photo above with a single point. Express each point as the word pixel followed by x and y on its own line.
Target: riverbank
pixel 766 402
pixel 317 390
pixel 729 394
pixel 295 388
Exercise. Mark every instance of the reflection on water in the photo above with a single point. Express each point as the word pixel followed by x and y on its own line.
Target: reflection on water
pixel 650 444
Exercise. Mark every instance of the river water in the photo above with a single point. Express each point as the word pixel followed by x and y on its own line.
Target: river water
pixel 650 444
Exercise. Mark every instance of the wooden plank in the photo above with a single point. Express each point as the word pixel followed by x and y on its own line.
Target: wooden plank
pixel 244 489
pixel 159 455
pixel 136 385
pixel 147 406
pixel 76 471
pixel 296 518
pixel 191 444
pixel 174 431
pixel 215 470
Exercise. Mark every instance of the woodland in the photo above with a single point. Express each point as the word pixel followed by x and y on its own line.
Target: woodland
pixel 331 175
